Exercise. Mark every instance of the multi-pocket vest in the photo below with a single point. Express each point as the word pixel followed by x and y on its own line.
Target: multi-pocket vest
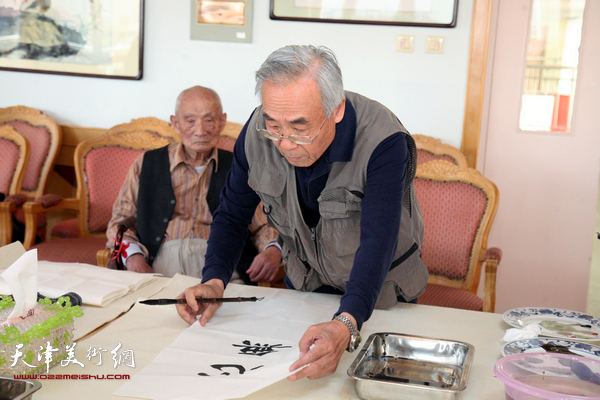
pixel 324 255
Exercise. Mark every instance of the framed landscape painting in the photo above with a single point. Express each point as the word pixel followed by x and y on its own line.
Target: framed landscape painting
pixel 96 38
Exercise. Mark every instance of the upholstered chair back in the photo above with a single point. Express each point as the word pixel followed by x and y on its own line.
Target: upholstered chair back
pixel 44 136
pixel 226 143
pixel 105 168
pixel 229 135
pixel 14 154
pixel 430 148
pixel 458 207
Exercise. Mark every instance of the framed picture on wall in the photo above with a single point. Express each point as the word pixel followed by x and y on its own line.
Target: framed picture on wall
pixel 221 20
pixel 434 13
pixel 94 38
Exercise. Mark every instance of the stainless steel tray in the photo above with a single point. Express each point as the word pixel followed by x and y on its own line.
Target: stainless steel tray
pixel 17 389
pixel 391 365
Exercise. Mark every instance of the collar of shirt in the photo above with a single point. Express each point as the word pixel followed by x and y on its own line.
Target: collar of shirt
pixel 342 147
pixel 177 153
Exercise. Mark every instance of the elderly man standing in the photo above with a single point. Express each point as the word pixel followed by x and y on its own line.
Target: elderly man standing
pixel 173 191
pixel 334 170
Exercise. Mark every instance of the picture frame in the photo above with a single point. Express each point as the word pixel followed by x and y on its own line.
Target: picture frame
pixel 430 13
pixel 221 20
pixel 91 38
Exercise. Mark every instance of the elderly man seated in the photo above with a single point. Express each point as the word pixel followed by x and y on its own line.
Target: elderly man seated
pixel 173 192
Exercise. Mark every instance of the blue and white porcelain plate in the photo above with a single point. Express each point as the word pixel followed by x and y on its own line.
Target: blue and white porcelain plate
pixel 556 323
pixel 534 345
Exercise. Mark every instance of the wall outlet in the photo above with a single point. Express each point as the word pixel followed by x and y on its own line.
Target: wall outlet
pixel 435 44
pixel 405 43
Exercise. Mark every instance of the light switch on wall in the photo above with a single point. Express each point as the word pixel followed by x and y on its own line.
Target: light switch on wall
pixel 405 43
pixel 435 44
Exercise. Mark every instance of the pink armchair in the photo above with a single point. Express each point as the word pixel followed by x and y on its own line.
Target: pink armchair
pixel 45 137
pixel 458 207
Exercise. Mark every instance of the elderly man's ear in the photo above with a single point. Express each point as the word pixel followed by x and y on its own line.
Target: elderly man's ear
pixel 339 111
pixel 173 120
pixel 223 122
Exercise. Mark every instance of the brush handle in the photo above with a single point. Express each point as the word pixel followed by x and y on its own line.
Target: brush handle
pixel 223 300
pixel 162 302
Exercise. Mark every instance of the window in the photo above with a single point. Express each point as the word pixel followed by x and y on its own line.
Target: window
pixel 551 65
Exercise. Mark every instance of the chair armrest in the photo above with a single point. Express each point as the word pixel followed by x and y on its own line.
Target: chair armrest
pixel 102 257
pixel 493 256
pixel 33 208
pixel 7 208
pixel 18 199
pixel 48 200
pixel 11 204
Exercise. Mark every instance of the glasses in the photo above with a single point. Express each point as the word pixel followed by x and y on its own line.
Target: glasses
pixel 298 139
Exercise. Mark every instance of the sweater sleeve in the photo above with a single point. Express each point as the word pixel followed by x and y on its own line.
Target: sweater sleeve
pixel 379 226
pixel 229 227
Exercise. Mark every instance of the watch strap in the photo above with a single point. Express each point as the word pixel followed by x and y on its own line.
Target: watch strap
pixel 354 333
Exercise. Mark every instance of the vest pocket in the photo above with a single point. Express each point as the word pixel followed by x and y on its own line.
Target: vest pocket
pixel 410 279
pixel 339 203
pixel 303 277
pixel 341 240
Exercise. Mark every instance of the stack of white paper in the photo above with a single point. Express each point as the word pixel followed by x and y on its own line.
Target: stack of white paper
pixel 97 286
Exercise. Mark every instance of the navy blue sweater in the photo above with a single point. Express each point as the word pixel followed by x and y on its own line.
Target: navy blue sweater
pixel 380 212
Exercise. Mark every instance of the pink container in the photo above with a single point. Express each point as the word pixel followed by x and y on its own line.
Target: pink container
pixel 549 376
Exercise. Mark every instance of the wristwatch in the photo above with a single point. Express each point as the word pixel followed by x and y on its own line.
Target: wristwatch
pixel 354 333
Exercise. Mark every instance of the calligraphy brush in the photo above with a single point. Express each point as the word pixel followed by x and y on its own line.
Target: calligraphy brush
pixel 162 302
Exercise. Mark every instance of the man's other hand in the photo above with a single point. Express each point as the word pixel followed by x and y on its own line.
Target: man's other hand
pixel 265 266
pixel 137 263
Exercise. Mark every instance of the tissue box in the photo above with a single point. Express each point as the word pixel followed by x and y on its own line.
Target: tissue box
pixel 25 342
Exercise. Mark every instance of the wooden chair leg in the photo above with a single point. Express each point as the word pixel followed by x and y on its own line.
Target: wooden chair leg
pixel 102 257
pixel 492 259
pixel 7 208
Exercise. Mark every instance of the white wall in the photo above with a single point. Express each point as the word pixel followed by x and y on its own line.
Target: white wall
pixel 426 91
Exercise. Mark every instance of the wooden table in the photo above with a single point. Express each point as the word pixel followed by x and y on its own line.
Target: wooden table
pixel 146 331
